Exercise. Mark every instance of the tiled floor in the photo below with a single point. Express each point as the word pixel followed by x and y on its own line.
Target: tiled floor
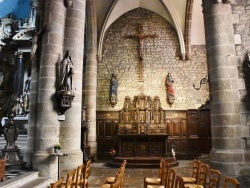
pixel 134 177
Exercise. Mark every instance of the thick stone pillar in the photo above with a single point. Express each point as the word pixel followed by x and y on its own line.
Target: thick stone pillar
pixel 91 74
pixel 47 125
pixel 33 94
pixel 227 131
pixel 70 130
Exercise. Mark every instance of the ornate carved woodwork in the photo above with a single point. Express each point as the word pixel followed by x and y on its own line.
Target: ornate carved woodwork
pixel 137 130
pixel 142 145
pixel 143 115
pixel 64 100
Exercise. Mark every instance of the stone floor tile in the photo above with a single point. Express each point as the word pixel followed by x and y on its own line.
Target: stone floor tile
pixel 134 177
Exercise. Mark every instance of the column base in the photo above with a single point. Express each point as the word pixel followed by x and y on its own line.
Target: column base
pixel 228 162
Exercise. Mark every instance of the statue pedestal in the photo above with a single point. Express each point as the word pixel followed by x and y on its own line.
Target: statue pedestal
pixel 64 98
pixel 10 151
pixel 12 158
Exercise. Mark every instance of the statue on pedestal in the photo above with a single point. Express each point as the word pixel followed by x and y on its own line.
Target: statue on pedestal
pixel 169 83
pixel 113 90
pixel 65 95
pixel 66 72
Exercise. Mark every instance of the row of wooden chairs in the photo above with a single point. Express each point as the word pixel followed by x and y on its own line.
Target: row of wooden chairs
pixel 118 180
pixel 168 178
pixel 76 178
pixel 199 177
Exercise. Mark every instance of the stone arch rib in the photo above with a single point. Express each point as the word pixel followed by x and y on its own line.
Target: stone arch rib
pixel 187 32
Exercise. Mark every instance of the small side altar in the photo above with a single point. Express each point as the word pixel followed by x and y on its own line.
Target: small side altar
pixel 142 132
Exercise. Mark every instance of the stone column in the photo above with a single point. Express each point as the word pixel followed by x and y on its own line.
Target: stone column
pixel 226 129
pixel 70 130
pixel 91 74
pixel 47 125
pixel 33 95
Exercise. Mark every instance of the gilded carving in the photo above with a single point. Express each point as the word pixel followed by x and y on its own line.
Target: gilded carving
pixel 142 116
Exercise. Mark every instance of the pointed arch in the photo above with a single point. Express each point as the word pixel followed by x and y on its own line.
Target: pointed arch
pixel 109 19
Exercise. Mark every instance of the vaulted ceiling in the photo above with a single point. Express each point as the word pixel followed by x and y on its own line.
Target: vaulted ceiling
pixel 178 13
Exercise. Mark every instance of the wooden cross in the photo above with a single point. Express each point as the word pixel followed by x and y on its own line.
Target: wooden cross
pixel 140 37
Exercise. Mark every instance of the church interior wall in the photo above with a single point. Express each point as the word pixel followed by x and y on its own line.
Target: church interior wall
pixel 161 56
pixel 241 18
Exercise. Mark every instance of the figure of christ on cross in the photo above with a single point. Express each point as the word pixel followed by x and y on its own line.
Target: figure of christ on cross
pixel 140 37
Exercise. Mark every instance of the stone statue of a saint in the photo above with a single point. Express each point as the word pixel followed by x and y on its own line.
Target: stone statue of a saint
pixel 66 72
pixel 113 90
pixel 114 85
pixel 169 83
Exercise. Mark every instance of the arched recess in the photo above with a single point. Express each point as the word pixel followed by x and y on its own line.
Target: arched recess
pixel 116 11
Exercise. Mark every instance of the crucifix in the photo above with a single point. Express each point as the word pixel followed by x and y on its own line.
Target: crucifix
pixel 140 37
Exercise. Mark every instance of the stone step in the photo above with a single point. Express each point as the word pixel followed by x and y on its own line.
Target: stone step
pixel 37 183
pixel 24 180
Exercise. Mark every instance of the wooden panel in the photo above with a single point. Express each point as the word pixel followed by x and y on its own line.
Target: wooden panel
pixel 184 127
pixel 128 149
pixel 204 123
pixel 158 148
pixel 179 144
pixel 169 127
pixel 104 145
pixel 177 128
pixel 195 145
pixel 142 148
pixel 100 128
pixel 193 123
pixel 106 131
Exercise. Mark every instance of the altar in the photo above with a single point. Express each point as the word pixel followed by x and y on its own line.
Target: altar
pixel 142 134
pixel 142 145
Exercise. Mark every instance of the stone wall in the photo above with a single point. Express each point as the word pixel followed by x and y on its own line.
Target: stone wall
pixel 241 20
pixel 161 55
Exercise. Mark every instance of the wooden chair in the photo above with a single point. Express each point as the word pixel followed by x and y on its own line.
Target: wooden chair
pixel 79 181
pixel 110 180
pixel 70 180
pixel 179 182
pixel 214 178
pixel 169 182
pixel 86 174
pixel 196 167
pixel 230 182
pixel 116 184
pixel 158 180
pixel 57 184
pixel 2 169
pixel 202 178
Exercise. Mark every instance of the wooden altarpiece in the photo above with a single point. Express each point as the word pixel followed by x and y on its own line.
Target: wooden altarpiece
pixel 142 131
